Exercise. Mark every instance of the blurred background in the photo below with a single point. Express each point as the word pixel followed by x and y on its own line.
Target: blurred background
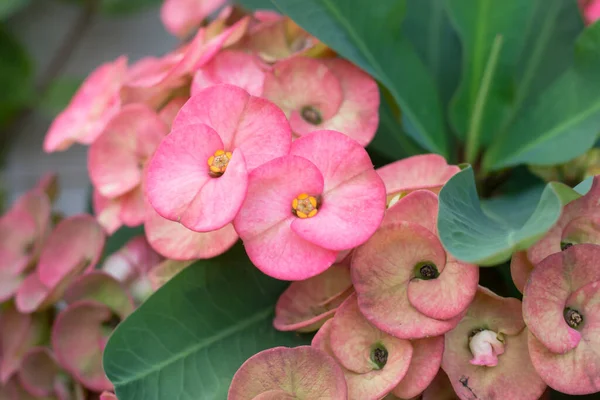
pixel 47 48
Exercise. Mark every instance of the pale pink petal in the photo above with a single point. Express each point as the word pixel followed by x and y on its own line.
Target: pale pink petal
pixel 78 340
pixel 133 206
pixel 419 207
pixel 33 295
pixel 107 212
pixel 94 104
pixel 182 16
pixel 165 271
pixel 179 168
pixel 232 67
pixel 520 269
pixel 74 246
pixel 424 366
pixel 265 218
pixel 301 372
pixel 426 171
pixel 117 157
pixel 306 305
pixel 251 124
pixel 132 261
pixel 175 241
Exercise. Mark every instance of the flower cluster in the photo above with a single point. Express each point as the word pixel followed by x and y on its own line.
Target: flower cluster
pixel 59 302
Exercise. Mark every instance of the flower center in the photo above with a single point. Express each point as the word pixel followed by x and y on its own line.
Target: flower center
pixel 573 317
pixel 379 355
pixel 311 115
pixel 217 163
pixel 426 270
pixel 565 245
pixel 305 206
pixel 486 346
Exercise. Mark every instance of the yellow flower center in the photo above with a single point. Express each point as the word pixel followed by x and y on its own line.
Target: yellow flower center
pixel 305 206
pixel 217 163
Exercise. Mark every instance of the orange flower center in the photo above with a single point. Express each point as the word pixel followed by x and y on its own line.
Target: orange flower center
pixel 305 206
pixel 217 163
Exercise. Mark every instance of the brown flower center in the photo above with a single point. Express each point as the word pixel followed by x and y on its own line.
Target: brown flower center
pixel 565 245
pixel 426 270
pixel 305 206
pixel 379 355
pixel 573 317
pixel 311 115
pixel 218 162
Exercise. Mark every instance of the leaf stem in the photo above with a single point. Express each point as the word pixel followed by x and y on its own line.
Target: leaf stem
pixel 474 133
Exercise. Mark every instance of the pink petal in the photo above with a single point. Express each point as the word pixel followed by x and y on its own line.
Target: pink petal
pixel 182 16
pixel 170 110
pixel 520 269
pixel 133 206
pixel 419 207
pixel 129 139
pixel 165 271
pixel 265 218
pixel 78 340
pixel 251 124
pixel 440 389
pixel 426 171
pixel 301 371
pixel 306 305
pixel 107 212
pixel 132 261
pixel 33 295
pixel 39 372
pixel 179 169
pixel 175 241
pixel 108 396
pixel 424 366
pixel 94 104
pixel 74 246
pixel 232 67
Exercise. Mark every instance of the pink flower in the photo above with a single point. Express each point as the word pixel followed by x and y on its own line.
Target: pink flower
pixel 325 94
pixel 180 17
pixel 284 373
pixel 233 67
pixel 372 361
pixel 306 305
pixel 590 9
pixel 199 174
pixel 406 283
pixel 175 241
pixel 427 171
pixel 561 310
pixel 94 104
pixel 128 141
pixel 486 354
pixel 302 209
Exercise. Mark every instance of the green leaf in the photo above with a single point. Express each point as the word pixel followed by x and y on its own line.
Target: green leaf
pixel 16 77
pixel 427 26
pixel 368 33
pixel 190 337
pixel 489 232
pixel 59 94
pixel 478 24
pixel 11 7
pixel 127 6
pixel 563 123
pixel 256 4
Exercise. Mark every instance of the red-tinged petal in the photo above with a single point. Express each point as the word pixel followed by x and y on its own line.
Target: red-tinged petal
pixel 9 284
pixel 520 269
pixel 548 294
pixel 170 110
pixel 582 230
pixel 385 268
pixel 132 261
pixel 426 171
pixel 424 366
pixel 419 207
pixel 179 168
pixel 231 67
pixel 219 200
pixel 78 339
pixel 175 241
pixel 102 288
pixel 94 104
pixel 133 206
pixel 358 114
pixel 306 305
pixel 440 389
pixel 301 372
pixel 18 334
pixel 166 270
pixel 129 139
pixel 514 375
pixel 74 246
pixel 265 218
pixel 39 372
pixel 301 82
pixel 182 16
pixel 108 396
pixel 254 125
pixel 107 212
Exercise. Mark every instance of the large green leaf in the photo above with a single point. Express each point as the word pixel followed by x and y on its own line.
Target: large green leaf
pixel 479 23
pixel 10 7
pixel 563 122
pixel 256 4
pixel 16 77
pixel 190 337
pixel 368 33
pixel 427 26
pixel 488 232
